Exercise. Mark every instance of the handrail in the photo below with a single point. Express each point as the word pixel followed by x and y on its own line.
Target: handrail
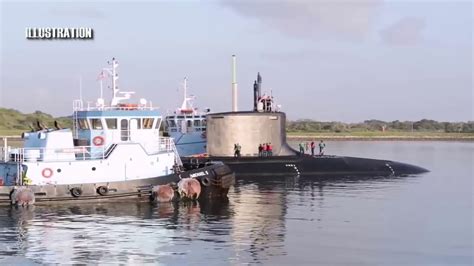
pixel 165 144
pixel 56 154
pixel 108 108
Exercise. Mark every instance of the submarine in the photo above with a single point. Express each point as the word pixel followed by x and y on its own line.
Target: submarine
pixel 267 124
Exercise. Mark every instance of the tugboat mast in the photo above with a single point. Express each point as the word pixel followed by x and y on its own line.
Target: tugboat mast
pixel 115 78
pixel 185 89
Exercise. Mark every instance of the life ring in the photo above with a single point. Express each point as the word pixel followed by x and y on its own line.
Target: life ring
pixel 98 141
pixel 47 172
pixel 76 192
pixel 206 181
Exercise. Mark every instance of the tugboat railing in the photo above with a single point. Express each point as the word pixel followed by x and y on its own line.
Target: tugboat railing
pixel 148 107
pixel 78 153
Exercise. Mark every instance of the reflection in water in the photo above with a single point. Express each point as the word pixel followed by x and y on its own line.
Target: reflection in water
pixel 259 221
pixel 250 228
pixel 113 232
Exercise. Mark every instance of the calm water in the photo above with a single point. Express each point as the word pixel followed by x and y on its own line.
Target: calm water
pixel 419 220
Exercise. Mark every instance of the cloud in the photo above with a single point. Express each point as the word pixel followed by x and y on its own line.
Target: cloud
pixel 81 12
pixel 312 19
pixel 407 31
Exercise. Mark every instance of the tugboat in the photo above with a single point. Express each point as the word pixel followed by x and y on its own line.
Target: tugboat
pixel 187 126
pixel 234 138
pixel 113 151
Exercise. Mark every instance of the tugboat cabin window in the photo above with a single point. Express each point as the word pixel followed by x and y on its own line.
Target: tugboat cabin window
pixel 158 122
pixel 204 122
pixel 83 124
pixel 190 123
pixel 197 123
pixel 111 123
pixel 171 123
pixel 96 123
pixel 148 123
pixel 124 130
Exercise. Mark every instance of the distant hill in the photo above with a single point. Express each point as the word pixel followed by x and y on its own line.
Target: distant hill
pixel 12 120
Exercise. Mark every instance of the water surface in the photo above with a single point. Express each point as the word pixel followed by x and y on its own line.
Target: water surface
pixel 416 220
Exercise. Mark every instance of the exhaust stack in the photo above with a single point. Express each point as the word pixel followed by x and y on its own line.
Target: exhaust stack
pixel 234 84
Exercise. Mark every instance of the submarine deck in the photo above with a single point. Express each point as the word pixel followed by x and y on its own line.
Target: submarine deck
pixel 311 165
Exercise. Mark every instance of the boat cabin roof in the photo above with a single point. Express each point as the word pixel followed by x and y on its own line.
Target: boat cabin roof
pixel 118 113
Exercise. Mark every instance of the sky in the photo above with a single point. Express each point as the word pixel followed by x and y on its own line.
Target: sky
pixel 323 60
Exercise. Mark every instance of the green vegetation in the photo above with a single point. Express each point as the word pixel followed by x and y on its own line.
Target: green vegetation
pixel 13 122
pixel 423 129
pixel 423 125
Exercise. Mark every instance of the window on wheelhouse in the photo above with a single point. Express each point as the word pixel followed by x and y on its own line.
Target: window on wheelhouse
pixel 124 135
pixel 197 125
pixel 158 122
pixel 111 123
pixel 190 123
pixel 148 123
pixel 170 124
pixel 96 123
pixel 83 124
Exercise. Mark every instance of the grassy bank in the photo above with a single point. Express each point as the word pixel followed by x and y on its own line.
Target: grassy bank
pixel 374 135
pixel 13 122
pixel 11 132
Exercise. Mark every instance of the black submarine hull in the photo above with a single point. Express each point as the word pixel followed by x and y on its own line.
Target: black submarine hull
pixel 310 165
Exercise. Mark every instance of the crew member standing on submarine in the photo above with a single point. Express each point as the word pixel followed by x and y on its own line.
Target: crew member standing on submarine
pixel 235 149
pixel 239 148
pixel 321 147
pixel 301 148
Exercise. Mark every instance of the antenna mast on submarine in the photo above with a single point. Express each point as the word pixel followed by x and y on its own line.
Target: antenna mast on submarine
pixel 234 84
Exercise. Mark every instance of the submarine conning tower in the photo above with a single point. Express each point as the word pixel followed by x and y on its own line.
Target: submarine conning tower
pixel 265 124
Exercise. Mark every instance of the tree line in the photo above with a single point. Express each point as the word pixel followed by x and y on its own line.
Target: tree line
pixel 424 125
pixel 11 119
